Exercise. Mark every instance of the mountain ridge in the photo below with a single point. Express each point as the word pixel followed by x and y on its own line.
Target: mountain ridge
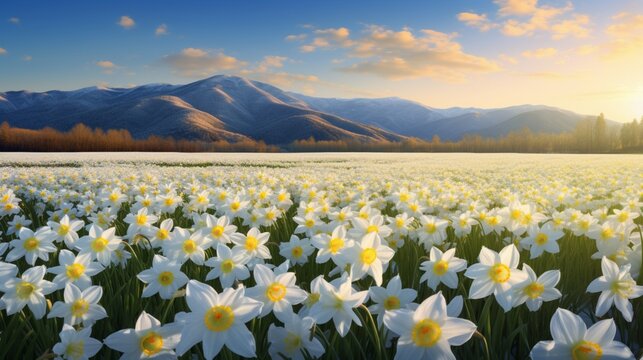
pixel 232 108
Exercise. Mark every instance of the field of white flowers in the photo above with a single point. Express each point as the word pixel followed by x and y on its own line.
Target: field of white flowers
pixel 378 256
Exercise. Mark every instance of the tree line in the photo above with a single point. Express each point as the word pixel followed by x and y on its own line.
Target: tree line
pixel 84 138
pixel 591 135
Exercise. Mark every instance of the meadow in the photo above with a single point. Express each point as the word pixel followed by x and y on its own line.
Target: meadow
pixel 378 256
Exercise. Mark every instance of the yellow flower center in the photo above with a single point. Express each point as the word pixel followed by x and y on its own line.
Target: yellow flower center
pixel 392 303
pixel 335 244
pixel 251 243
pixel 75 271
pixel 275 292
pixel 623 216
pixel 281 197
pixel 607 233
pixel 623 288
pixel 426 333
pixel 113 197
pixel 297 252
pixel 516 214
pixel 219 318
pixel 368 255
pixel 441 267
pixel 587 350
pixel 534 290
pixel 189 246
pixel 310 223
pixel 99 244
pixel 75 350
pixel 292 342
pixel 31 244
pixel 141 219
pixel 430 228
pixel 217 231
pixel 235 206
pixel 151 343
pixel 541 239
pixel 226 266
pixel 168 201
pixel 166 278
pixel 312 299
pixel 79 307
pixel 499 273
pixel 24 290
pixel 162 234
pixel 372 228
pixel 63 229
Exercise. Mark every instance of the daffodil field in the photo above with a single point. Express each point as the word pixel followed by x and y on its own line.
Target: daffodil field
pixel 380 256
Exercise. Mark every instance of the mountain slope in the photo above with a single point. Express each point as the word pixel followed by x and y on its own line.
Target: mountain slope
pixel 234 108
pixel 392 114
pixel 220 107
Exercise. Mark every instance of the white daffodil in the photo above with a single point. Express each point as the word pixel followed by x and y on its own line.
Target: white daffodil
pixel 184 245
pixel 331 246
pixel 496 274
pixel 100 243
pixel 442 267
pixel 218 230
pixel 278 293
pixel 228 266
pixel 76 344
pixel 337 303
pixel 543 239
pixel 392 297
pixel 293 340
pixel 537 289
pixel 217 320
pixel 29 289
pixel 616 287
pixel 17 223
pixel 253 243
pixel 307 224
pixel 147 340
pixel 139 223
pixel 66 230
pixel 432 232
pixel 164 277
pixel 428 332
pixel 573 340
pixel 79 306
pixel 296 250
pixel 32 245
pixel 75 269
pixel 158 235
pixel 375 224
pixel 369 256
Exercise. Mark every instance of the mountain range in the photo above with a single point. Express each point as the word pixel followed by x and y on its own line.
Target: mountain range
pixel 233 108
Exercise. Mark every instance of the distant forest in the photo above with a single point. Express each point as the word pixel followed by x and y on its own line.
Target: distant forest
pixel 589 136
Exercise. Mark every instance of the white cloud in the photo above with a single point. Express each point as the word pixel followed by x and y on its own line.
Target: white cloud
pixel 271 62
pixel 107 66
pixel 126 22
pixel 195 62
pixel 297 37
pixel 3 51
pixel 14 20
pixel 402 54
pixel 27 58
pixel 478 21
pixel 161 30
pixel 540 53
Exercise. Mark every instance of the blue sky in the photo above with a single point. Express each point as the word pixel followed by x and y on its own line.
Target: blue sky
pixel 581 55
